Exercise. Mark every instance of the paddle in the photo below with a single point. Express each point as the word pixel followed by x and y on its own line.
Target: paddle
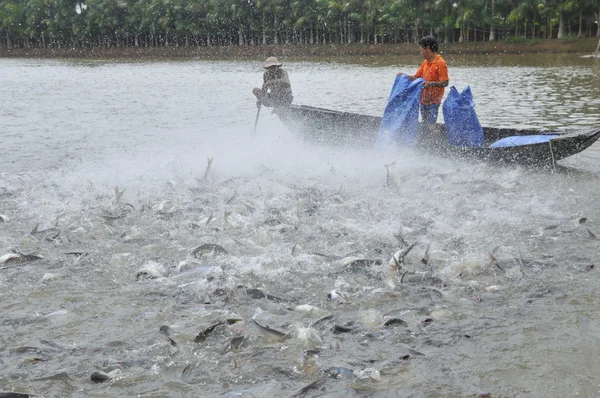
pixel 257 115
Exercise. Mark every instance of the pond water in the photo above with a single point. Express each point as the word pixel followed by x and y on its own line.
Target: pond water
pixel 146 210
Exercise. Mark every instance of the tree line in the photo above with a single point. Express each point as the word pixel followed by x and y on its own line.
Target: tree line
pixel 154 23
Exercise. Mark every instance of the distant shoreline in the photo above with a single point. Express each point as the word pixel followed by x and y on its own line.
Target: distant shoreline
pixel 309 52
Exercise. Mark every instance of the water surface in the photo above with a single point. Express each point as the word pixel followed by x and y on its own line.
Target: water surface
pixel 104 175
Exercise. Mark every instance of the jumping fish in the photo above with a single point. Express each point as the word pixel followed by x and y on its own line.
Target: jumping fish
pixel 329 257
pixel 14 257
pixel 320 320
pixel 114 215
pixel 312 386
pixel 258 294
pixel 166 207
pixel 187 373
pixel 49 277
pixel 271 334
pixel 389 181
pixel 18 257
pixel 210 160
pixel 307 308
pixel 208 248
pixel 209 219
pixel 425 259
pixel 494 260
pixel 226 215
pixel 339 329
pixel 228 201
pixel 338 372
pixel 400 238
pixel 335 296
pixel 151 270
pixel 360 262
pixel 54 230
pixel 190 270
pixel 398 257
pixel 79 255
pixel 118 194
pixel 100 377
pixel 57 313
pixel 205 332
pixel 165 331
pixel 393 322
pixel 521 262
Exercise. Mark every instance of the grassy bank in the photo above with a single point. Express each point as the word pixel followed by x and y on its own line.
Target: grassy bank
pixel 303 52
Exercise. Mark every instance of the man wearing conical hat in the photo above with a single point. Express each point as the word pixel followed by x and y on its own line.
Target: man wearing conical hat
pixel 276 91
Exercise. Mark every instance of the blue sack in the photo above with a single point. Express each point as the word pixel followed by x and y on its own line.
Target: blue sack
pixel 400 122
pixel 462 125
pixel 517 140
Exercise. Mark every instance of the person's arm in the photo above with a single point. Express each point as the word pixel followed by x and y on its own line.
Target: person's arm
pixel 441 77
pixel 441 83
pixel 282 82
pixel 265 81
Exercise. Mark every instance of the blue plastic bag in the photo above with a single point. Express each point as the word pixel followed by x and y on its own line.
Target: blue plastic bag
pixel 462 124
pixel 400 122
pixel 517 140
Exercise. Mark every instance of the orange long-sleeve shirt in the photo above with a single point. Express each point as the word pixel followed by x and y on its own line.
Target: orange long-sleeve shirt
pixel 434 71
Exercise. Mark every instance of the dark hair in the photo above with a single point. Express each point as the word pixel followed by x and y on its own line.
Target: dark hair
pixel 431 42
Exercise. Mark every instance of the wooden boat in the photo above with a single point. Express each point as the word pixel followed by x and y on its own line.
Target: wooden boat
pixel 326 126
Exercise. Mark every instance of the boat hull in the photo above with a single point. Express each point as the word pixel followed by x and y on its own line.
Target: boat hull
pixel 324 126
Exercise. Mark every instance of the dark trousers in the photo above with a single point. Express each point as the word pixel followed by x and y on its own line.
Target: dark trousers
pixel 429 113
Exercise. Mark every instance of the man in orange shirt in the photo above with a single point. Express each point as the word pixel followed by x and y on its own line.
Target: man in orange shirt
pixel 435 73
